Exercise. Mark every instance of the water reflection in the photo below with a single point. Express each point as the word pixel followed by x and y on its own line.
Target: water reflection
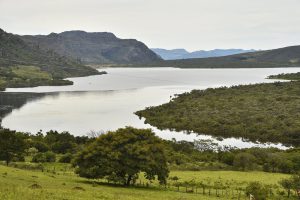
pixel 108 102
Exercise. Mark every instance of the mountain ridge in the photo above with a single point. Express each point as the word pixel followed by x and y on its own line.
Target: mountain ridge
pixel 177 54
pixel 94 47
pixel 281 57
pixel 22 65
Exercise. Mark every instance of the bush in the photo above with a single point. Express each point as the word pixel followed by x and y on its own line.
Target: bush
pixel 66 158
pixel 40 146
pixel 44 157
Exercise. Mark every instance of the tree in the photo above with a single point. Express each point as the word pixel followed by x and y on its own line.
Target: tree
pixel 257 190
pixel 291 183
pixel 12 145
pixel 121 155
pixel 60 142
pixel 287 184
pixel 296 184
pixel 244 161
pixel 44 157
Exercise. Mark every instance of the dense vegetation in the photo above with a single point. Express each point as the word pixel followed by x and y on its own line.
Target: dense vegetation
pixel 18 58
pixel 110 156
pixel 134 149
pixel 261 112
pixel 289 76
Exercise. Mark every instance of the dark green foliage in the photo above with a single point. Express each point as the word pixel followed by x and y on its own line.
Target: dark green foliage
pixel 287 184
pixel 121 155
pixel 12 145
pixel 292 183
pixel 44 157
pixel 244 161
pixel 261 112
pixel 290 76
pixel 66 158
pixel 257 190
pixel 40 146
pixel 60 142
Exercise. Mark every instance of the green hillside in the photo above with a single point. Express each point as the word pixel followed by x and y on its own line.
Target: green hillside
pixel 22 65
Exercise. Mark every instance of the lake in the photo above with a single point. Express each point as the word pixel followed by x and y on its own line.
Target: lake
pixel 107 102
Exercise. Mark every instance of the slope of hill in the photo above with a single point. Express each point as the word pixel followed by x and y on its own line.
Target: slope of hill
pixel 22 65
pixel 283 57
pixel 176 54
pixel 94 48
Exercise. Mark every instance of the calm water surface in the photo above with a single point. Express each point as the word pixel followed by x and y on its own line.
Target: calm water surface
pixel 108 102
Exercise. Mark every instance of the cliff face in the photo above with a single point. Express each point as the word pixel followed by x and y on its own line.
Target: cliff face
pixel 94 48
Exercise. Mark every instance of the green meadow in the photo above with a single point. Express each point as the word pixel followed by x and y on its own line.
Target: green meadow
pixel 57 181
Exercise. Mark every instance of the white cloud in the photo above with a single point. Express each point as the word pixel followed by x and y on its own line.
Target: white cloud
pixel 192 24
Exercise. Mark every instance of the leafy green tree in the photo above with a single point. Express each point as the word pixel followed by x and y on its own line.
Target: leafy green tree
pixel 296 184
pixel 12 145
pixel 40 146
pixel 257 190
pixel 244 161
pixel 60 142
pixel 287 184
pixel 121 155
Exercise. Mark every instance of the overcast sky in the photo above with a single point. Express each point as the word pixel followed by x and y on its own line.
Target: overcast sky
pixel 190 24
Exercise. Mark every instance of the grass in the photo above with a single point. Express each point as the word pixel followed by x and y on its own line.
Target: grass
pixel 237 176
pixel 24 184
pixel 31 72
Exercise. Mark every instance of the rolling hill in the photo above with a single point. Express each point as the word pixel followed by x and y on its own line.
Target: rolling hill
pixel 283 57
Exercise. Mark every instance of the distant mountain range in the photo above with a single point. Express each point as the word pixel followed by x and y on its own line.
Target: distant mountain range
pixel 94 48
pixel 176 54
pixel 282 57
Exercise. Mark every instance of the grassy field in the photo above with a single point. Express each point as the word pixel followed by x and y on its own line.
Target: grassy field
pixel 35 185
pixel 31 72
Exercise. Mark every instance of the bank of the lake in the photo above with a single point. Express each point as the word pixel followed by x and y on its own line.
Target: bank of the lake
pixel 109 102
